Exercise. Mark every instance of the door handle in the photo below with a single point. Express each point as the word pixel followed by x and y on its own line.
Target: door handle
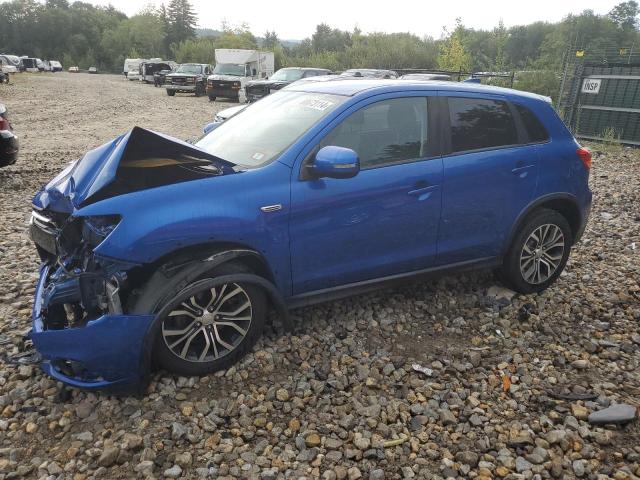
pixel 520 166
pixel 422 190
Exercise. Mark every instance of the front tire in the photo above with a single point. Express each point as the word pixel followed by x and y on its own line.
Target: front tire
pixel 212 98
pixel 202 327
pixel 171 93
pixel 538 253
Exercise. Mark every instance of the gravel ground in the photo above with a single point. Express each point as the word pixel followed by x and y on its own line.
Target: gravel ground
pixel 512 379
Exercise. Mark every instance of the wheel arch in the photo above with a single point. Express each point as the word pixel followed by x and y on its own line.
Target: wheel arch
pixel 563 203
pixel 195 260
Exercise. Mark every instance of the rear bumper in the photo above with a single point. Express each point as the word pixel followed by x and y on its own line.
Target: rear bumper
pixel 586 211
pixel 181 88
pixel 110 352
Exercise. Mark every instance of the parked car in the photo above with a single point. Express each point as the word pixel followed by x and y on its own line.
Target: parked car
pixel 256 89
pixel 12 61
pixel 56 66
pixel 223 115
pixel 188 77
pixel 153 248
pixel 159 77
pixel 149 69
pixel 40 65
pixel 74 70
pixel 30 64
pixel 8 141
pixel 426 76
pixel 369 73
pixel 93 70
pixel 6 66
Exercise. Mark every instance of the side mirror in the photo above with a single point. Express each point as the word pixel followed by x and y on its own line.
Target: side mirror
pixel 336 162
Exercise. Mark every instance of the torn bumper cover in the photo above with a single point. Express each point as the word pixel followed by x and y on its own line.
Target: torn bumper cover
pixel 108 352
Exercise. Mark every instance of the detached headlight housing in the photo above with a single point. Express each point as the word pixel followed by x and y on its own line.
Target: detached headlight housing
pixel 96 229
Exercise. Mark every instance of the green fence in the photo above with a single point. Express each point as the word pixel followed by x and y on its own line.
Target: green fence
pixel 602 102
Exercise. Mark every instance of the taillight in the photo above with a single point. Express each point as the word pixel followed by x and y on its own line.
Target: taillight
pixel 4 123
pixel 585 156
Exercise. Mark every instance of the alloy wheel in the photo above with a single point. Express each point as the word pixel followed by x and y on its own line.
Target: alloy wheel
pixel 542 254
pixel 208 325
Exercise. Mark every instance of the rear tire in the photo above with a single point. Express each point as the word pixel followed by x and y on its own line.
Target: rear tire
pixel 212 98
pixel 200 329
pixel 171 93
pixel 538 253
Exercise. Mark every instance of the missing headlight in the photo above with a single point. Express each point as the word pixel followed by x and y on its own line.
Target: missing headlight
pixel 96 229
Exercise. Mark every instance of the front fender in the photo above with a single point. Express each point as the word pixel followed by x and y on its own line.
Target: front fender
pixel 223 210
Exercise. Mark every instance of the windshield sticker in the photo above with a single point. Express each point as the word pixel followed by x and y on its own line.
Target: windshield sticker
pixel 258 156
pixel 317 104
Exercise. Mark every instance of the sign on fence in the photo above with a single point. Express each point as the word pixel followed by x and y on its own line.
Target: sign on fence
pixel 591 85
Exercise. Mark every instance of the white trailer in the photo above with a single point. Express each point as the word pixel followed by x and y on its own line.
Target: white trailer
pixel 234 68
pixel 131 69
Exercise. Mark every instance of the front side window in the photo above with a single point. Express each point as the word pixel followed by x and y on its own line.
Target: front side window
pixel 260 133
pixel 478 123
pixel 386 132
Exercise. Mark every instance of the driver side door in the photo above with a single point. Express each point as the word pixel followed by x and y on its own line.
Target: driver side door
pixel 382 222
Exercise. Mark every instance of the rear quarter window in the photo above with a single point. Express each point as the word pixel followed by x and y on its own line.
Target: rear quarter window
pixel 535 129
pixel 478 123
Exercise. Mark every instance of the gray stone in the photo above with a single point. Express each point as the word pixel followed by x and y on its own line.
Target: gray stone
pixel 173 472
pixel 377 474
pixel 522 465
pixel 108 456
pixel 447 417
pixel 616 414
pixel 578 467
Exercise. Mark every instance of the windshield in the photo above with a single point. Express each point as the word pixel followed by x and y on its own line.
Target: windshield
pixel 229 69
pixel 192 69
pixel 260 133
pixel 287 75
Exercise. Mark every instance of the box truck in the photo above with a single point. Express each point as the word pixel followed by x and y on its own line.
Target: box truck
pixel 234 68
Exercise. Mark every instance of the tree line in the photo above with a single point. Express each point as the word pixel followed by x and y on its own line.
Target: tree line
pixel 82 34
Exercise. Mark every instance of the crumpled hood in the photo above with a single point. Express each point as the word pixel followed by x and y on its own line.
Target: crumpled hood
pixel 138 160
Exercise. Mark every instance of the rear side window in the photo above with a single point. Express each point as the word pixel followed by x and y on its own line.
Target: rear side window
pixel 535 129
pixel 478 123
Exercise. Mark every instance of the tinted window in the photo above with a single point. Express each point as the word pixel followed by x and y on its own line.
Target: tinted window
pixel 478 123
pixel 535 129
pixel 386 132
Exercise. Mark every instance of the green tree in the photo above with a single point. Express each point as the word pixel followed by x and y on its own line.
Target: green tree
pixel 625 15
pixel 453 54
pixel 180 20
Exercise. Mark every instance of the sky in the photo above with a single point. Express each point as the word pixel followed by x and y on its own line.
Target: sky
pixel 296 19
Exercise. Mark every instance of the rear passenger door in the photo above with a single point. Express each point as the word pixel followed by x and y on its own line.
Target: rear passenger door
pixel 490 175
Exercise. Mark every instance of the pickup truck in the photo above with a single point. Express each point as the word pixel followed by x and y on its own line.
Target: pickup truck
pixel 188 77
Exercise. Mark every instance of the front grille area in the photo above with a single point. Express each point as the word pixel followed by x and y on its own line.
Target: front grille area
pixel 258 90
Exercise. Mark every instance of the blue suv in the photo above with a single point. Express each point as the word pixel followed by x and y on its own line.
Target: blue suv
pixel 159 253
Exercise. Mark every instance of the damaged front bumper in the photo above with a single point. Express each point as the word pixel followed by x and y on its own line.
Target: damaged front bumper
pixel 111 351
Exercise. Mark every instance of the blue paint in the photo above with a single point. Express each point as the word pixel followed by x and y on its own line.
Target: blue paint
pixel 433 211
